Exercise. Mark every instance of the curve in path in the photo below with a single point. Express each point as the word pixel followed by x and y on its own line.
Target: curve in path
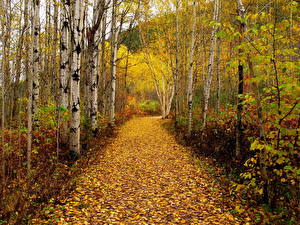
pixel 144 177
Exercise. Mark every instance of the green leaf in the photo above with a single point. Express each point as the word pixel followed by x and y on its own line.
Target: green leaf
pixel 288 167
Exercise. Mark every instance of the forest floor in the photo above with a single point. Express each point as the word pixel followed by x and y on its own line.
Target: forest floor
pixel 144 177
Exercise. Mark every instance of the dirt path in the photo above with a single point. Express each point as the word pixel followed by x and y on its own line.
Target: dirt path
pixel 144 177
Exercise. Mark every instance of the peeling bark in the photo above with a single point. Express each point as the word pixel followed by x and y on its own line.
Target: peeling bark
pixel 75 80
pixel 64 66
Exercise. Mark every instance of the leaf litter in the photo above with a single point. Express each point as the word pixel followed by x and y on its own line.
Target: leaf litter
pixel 144 177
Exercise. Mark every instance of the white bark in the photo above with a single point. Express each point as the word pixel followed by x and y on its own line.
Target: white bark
pixel 75 80
pixel 114 50
pixel 64 66
pixel 176 75
pixel 103 66
pixel 94 42
pixel 3 33
pixel 191 71
pixel 170 99
pixel 35 58
pixel 208 79
pixel 218 73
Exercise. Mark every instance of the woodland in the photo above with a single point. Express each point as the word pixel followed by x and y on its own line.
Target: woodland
pixel 149 111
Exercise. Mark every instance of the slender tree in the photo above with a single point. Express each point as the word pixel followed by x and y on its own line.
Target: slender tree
pixel 239 127
pixel 94 38
pixel 75 80
pixel 218 62
pixel 176 75
pixel 64 66
pixel 191 71
pixel 103 65
pixel 208 80
pixel 3 40
pixel 35 58
pixel 114 49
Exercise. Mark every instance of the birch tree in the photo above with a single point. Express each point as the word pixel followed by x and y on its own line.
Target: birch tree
pixel 176 75
pixel 218 62
pixel 208 79
pixel 75 80
pixel 113 70
pixel 35 58
pixel 3 40
pixel 103 65
pixel 64 65
pixel 191 71
pixel 94 38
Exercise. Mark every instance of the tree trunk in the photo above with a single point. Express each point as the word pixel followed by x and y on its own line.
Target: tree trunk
pixel 114 49
pixel 218 62
pixel 103 66
pixel 208 79
pixel 176 75
pixel 218 74
pixel 239 128
pixel 36 60
pixel 75 81
pixel 190 74
pixel 3 37
pixel 64 68
pixel 93 54
pixel 54 53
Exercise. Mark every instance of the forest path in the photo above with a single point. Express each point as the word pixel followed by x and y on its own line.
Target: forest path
pixel 144 177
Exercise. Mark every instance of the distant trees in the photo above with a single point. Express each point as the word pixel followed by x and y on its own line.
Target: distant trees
pixel 39 69
pixel 178 53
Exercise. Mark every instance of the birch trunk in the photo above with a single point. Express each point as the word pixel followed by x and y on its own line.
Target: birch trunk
pixel 218 62
pixel 54 44
pixel 218 74
pixel 94 41
pixel 114 48
pixel 103 65
pixel 64 67
pixel 163 106
pixel 36 59
pixel 190 74
pixel 3 37
pixel 176 75
pixel 170 99
pixel 75 81
pixel 2 128
pixel 208 79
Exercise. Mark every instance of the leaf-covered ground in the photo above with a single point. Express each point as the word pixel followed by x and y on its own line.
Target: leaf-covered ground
pixel 143 177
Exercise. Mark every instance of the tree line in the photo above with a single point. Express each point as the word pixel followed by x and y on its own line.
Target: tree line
pixel 226 69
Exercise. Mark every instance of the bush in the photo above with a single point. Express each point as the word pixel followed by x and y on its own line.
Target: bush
pixel 149 106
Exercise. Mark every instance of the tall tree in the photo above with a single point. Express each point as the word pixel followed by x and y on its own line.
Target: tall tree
pixel 77 31
pixel 191 71
pixel 113 70
pixel 103 65
pixel 176 75
pixel 208 80
pixel 35 58
pixel 64 65
pixel 4 37
pixel 242 13
pixel 218 63
pixel 94 38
